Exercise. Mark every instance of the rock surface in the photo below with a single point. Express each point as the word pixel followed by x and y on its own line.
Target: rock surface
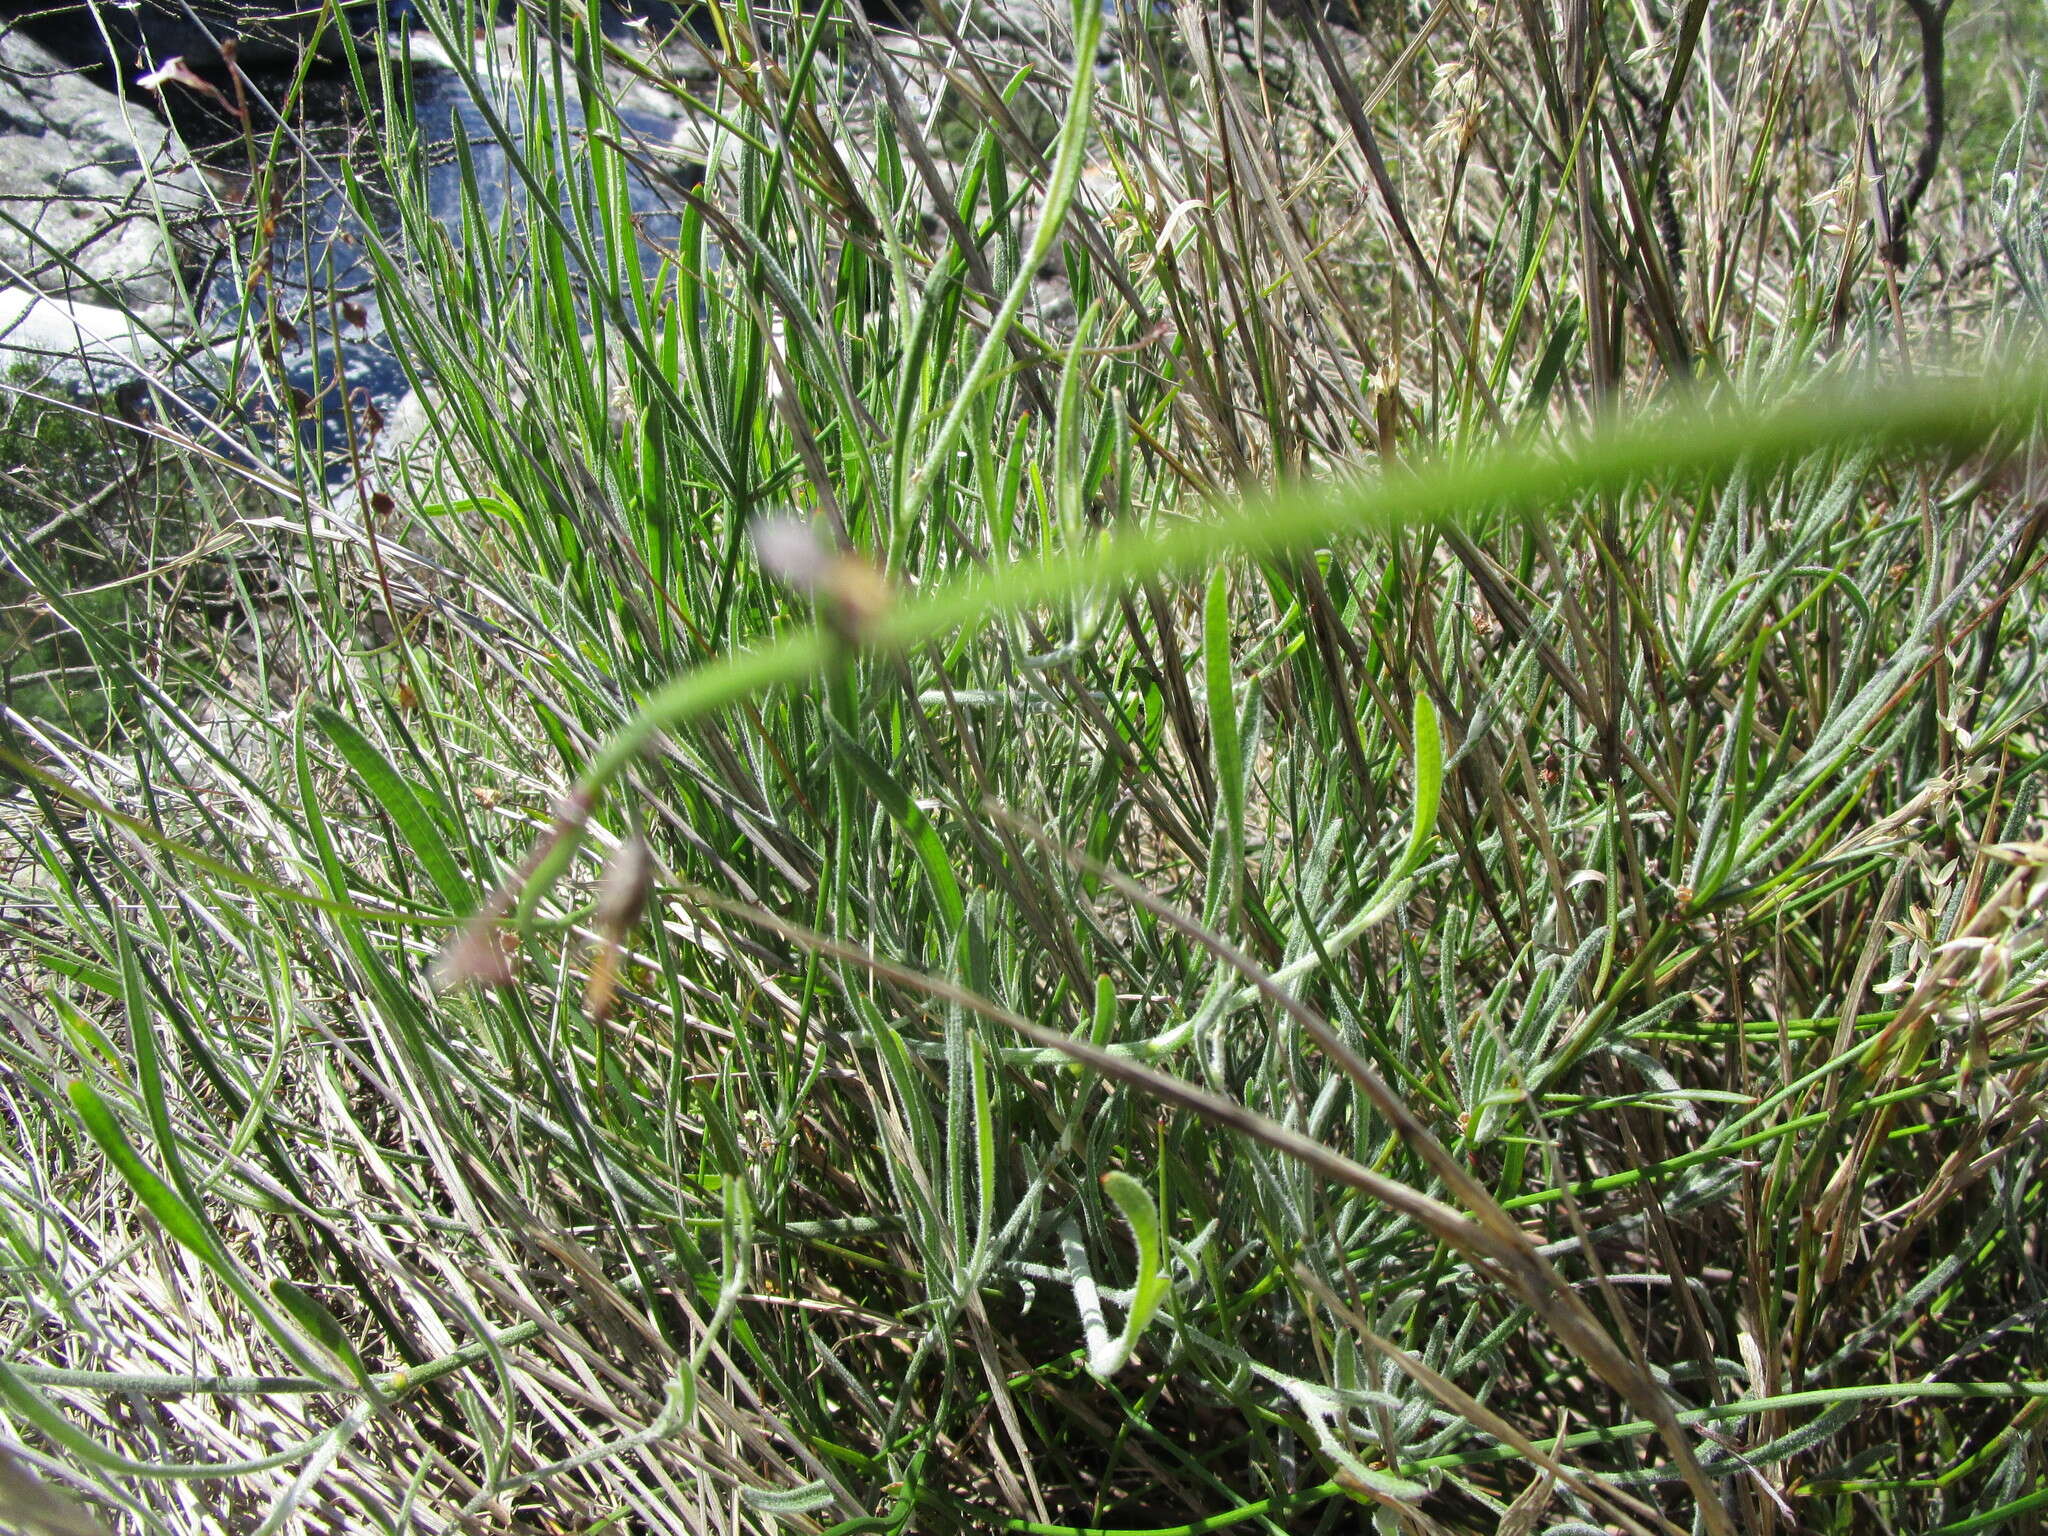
pixel 82 346
pixel 82 177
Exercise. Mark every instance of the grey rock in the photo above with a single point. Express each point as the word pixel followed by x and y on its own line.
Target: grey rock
pixel 423 466
pixel 83 177
pixel 1044 25
pixel 136 35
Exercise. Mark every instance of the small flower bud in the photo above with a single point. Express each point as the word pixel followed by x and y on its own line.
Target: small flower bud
pixel 622 891
pixel 482 955
pixel 851 593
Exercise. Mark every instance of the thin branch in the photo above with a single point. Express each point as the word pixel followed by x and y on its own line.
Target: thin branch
pixel 1931 16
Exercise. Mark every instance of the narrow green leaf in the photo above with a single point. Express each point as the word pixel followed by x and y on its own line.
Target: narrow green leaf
pixel 322 1327
pixel 178 1220
pixel 1103 1026
pixel 1429 786
pixel 916 827
pixel 1134 1202
pixel 804 1500
pixel 1429 781
pixel 402 804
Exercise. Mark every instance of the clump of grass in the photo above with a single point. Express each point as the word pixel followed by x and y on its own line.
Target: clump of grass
pixel 1320 800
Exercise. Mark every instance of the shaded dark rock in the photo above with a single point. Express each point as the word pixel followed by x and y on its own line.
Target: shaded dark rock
pixel 141 37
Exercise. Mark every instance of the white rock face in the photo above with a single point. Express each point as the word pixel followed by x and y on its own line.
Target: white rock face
pixel 72 341
pixel 82 174
pixel 408 432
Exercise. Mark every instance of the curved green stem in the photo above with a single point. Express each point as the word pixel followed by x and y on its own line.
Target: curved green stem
pixel 1958 415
